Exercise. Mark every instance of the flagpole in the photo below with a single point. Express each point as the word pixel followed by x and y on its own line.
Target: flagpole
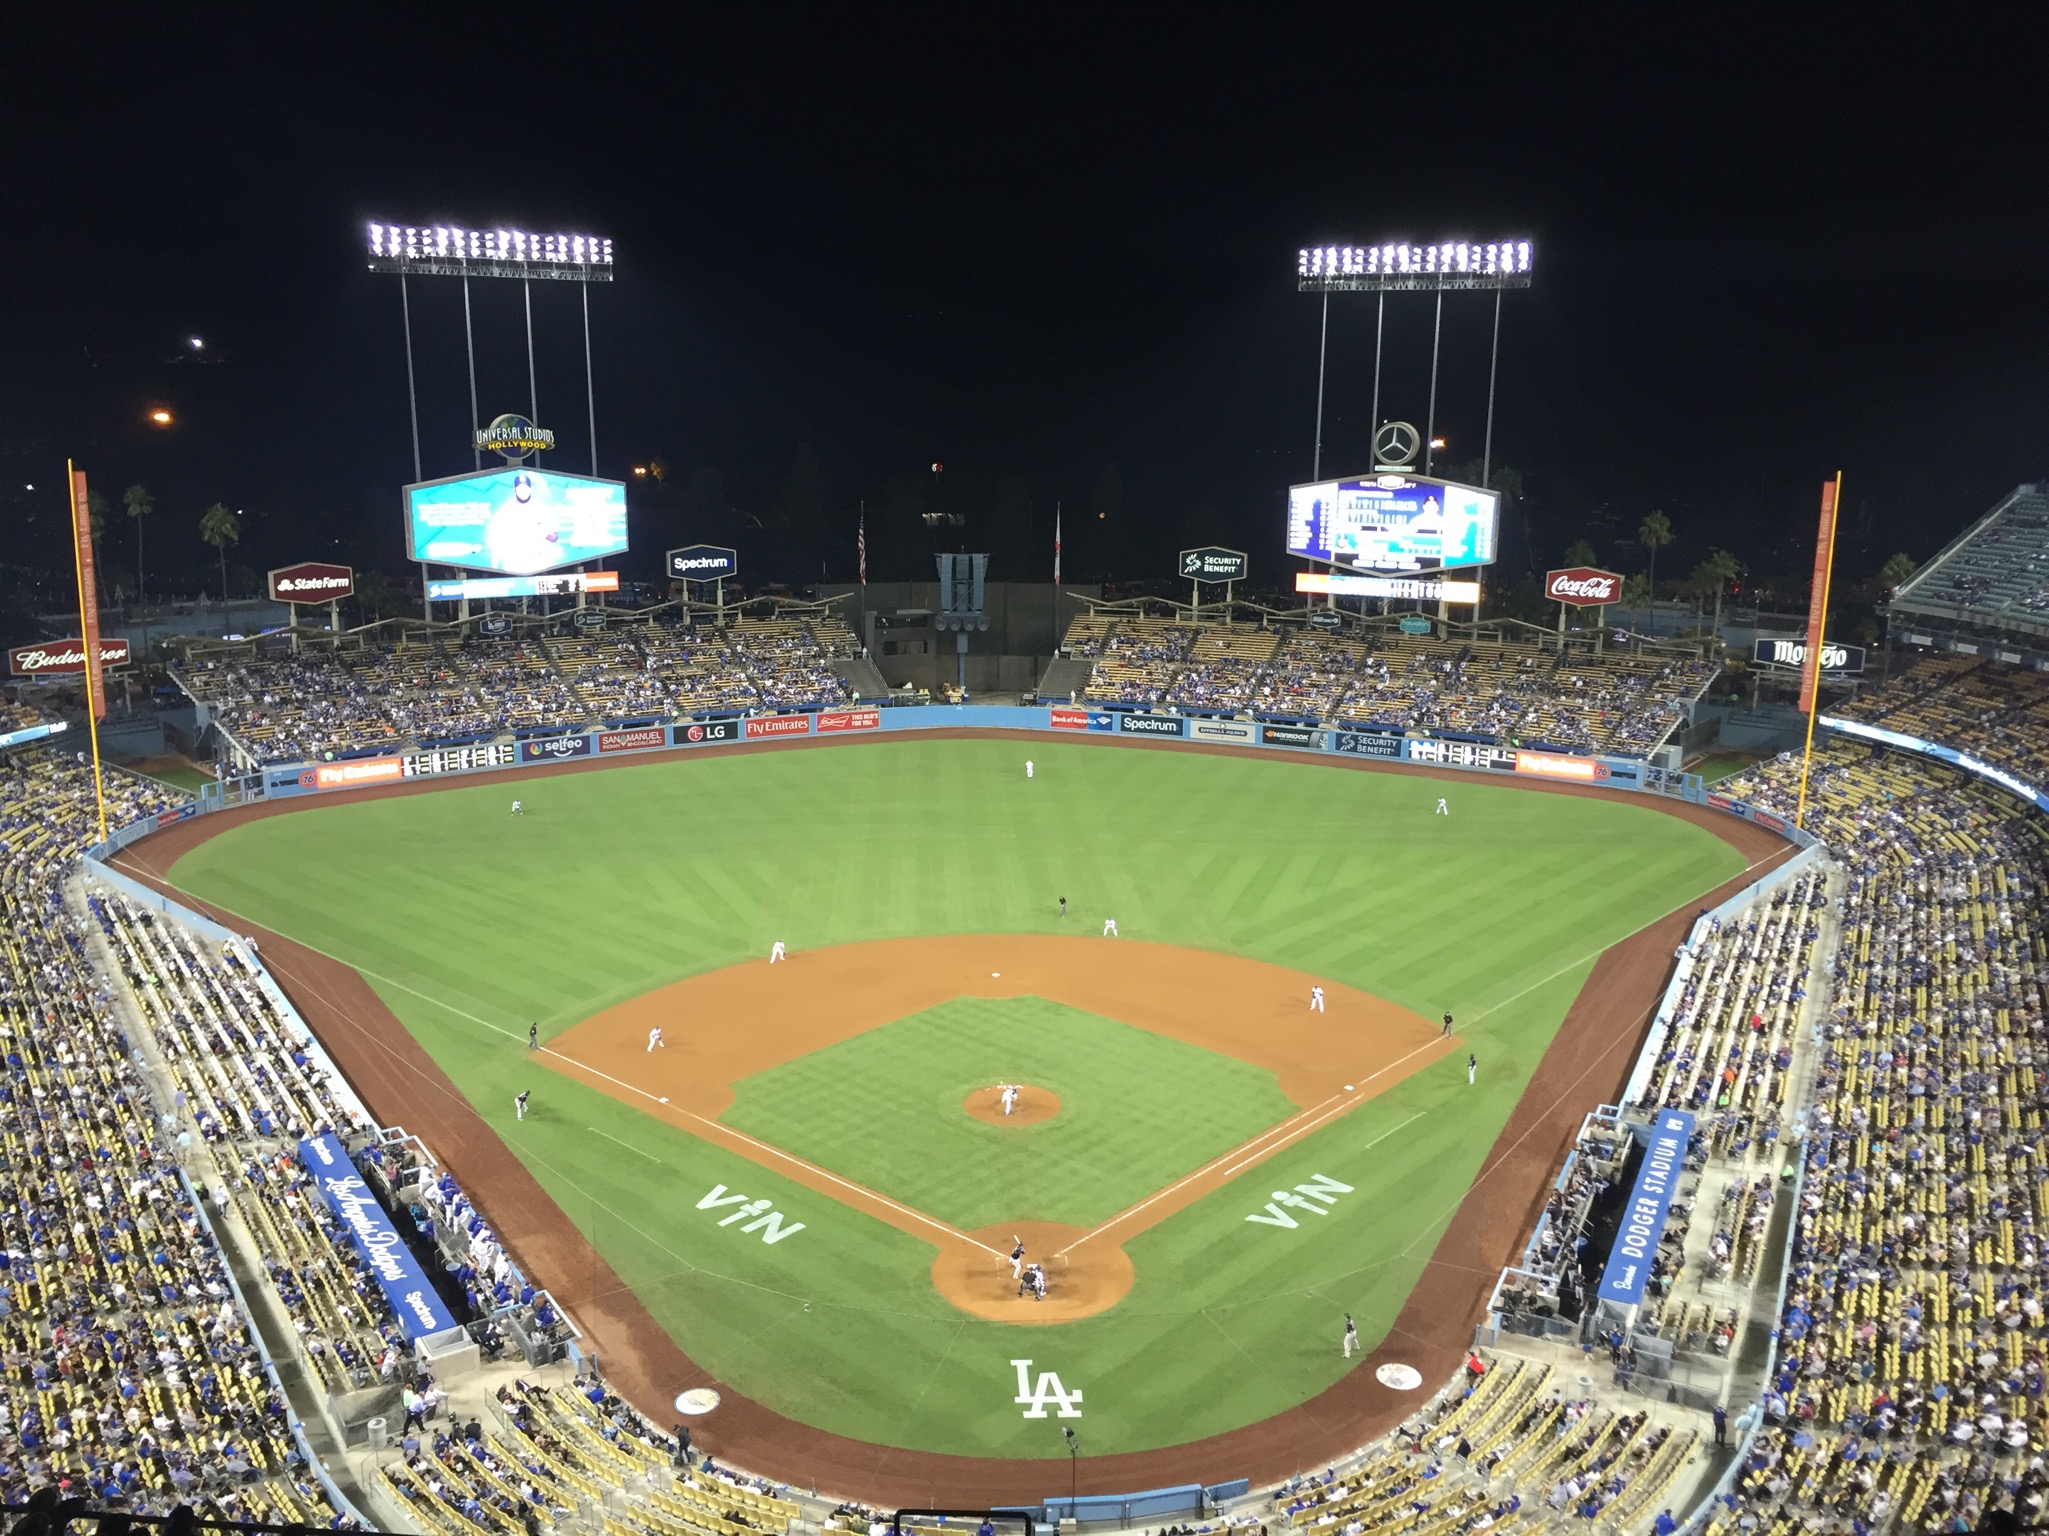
pixel 861 570
pixel 1817 637
pixel 1056 579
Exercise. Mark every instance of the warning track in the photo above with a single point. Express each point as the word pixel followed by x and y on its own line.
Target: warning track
pixel 1587 1063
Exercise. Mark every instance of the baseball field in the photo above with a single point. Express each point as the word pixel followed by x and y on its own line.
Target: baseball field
pixel 808 1182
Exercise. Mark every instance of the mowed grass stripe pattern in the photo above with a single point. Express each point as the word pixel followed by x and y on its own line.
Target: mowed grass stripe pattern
pixel 1138 1111
pixel 618 882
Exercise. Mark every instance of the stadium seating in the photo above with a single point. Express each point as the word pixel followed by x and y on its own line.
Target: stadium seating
pixel 128 1374
pixel 1995 575
pixel 427 689
pixel 2001 712
pixel 1618 701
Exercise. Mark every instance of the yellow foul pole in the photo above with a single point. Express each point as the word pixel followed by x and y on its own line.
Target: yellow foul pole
pixel 88 629
pixel 1811 663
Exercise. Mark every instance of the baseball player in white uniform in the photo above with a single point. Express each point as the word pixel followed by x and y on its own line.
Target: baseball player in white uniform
pixel 1443 809
pixel 1009 1097
pixel 1351 1335
pixel 520 1103
pixel 518 809
pixel 1028 767
pixel 775 952
pixel 654 1038
pixel 1017 1257
pixel 1109 927
pixel 1316 999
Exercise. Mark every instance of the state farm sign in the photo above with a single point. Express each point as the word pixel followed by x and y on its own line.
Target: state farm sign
pixel 55 658
pixel 1583 587
pixel 311 582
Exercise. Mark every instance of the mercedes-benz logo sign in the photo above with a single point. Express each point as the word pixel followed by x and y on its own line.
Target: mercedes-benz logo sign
pixel 1396 442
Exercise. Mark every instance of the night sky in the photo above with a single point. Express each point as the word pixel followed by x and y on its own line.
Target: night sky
pixel 1033 247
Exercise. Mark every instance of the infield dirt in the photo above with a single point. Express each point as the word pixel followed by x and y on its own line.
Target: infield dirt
pixel 1587 1063
pixel 1327 1062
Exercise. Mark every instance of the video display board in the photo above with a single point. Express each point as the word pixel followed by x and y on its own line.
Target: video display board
pixel 516 521
pixel 1393 523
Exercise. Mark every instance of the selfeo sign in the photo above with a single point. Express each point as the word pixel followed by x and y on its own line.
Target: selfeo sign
pixel 1212 564
pixel 1843 660
pixel 702 562
pixel 1582 586
pixel 54 658
pixel 311 581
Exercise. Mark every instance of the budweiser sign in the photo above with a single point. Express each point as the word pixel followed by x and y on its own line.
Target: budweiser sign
pixel 311 582
pixel 54 658
pixel 1583 586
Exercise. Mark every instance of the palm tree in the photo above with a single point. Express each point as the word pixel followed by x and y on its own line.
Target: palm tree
pixel 1896 571
pixel 1713 574
pixel 220 528
pixel 96 512
pixel 140 504
pixel 1654 533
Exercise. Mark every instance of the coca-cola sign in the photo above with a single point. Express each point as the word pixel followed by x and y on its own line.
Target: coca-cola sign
pixel 54 658
pixel 1583 587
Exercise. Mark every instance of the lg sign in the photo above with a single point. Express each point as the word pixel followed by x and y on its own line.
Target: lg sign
pixel 1583 587
pixel 311 581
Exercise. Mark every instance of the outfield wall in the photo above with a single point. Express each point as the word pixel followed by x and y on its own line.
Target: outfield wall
pixel 287 779
pixel 283 781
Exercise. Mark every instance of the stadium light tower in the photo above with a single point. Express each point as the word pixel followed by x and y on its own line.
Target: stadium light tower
pixel 446 250
pixel 1450 266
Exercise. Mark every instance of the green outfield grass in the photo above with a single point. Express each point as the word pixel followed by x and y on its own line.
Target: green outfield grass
pixel 470 923
pixel 1138 1110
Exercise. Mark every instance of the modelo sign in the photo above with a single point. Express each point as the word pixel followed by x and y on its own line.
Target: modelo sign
pixel 1583 587
pixel 703 562
pixel 57 658
pixel 311 582
pixel 1842 660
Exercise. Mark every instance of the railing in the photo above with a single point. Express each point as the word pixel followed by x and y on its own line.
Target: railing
pixel 48 1514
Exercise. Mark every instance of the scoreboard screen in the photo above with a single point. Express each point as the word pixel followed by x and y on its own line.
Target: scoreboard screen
pixel 1393 523
pixel 515 521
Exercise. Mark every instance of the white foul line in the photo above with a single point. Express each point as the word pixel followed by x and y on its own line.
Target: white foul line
pixel 1253 1151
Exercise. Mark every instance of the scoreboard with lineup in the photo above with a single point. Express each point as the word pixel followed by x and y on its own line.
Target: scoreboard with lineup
pixel 1393 523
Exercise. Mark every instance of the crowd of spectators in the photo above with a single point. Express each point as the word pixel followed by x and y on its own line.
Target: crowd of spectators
pixel 425 689
pixel 1910 1377
pixel 1618 700
pixel 128 1374
pixel 1998 713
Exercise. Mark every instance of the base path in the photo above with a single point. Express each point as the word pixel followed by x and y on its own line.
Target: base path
pixel 1587 1064
pixel 1328 1062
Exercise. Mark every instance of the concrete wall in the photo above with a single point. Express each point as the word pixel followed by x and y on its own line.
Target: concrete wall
pixel 1026 621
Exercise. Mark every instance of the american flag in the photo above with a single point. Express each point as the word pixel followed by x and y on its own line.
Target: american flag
pixel 861 544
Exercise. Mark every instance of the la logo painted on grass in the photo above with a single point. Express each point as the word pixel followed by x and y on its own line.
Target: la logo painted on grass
pixel 1050 1389
pixel 765 1219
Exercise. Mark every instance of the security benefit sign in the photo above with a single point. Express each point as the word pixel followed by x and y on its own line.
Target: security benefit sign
pixel 413 1300
pixel 1650 1202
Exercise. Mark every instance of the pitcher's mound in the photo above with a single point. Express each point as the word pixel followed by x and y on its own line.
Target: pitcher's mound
pixel 1091 1279
pixel 1032 1105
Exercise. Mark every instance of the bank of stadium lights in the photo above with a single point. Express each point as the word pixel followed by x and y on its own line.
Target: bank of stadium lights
pixel 1451 264
pixel 446 250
